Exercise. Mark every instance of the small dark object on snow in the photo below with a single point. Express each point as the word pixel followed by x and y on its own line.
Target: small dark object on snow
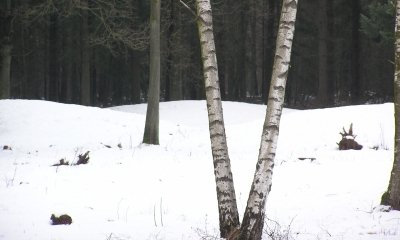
pixel 348 140
pixel 5 147
pixel 105 145
pixel 62 162
pixel 83 158
pixel 63 219
pixel 304 158
pixel 119 145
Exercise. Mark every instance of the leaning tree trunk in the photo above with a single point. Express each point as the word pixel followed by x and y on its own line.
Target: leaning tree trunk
pixel 393 193
pixel 152 115
pixel 228 214
pixel 253 220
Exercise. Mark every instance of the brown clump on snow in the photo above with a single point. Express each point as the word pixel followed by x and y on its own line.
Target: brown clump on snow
pixel 61 220
pixel 348 140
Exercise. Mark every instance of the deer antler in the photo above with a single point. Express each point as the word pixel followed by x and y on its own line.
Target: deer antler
pixel 351 129
pixel 344 133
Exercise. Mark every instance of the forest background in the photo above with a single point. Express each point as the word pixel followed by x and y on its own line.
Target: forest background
pixel 96 52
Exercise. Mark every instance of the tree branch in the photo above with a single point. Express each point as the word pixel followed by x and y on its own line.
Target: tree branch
pixel 188 8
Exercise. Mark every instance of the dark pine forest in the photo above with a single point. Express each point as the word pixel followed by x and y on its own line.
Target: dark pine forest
pixel 96 52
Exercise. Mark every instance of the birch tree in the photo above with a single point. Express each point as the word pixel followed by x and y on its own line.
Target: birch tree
pixel 228 213
pixel 253 220
pixel 392 196
pixel 152 115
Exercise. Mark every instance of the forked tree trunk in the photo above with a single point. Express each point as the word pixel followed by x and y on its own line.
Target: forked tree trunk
pixel 253 220
pixel 228 213
pixel 152 115
pixel 393 193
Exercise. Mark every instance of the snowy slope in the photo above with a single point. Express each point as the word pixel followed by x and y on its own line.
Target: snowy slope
pixel 137 191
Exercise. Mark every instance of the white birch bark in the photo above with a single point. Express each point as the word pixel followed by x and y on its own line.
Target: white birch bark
pixel 394 184
pixel 253 220
pixel 228 214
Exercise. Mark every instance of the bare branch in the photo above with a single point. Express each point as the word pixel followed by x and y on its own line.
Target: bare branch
pixel 188 8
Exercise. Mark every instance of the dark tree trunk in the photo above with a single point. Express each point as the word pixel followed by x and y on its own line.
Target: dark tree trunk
pixel 85 61
pixel 136 77
pixel 259 35
pixel 54 51
pixel 355 88
pixel 249 51
pixel 6 47
pixel 270 33
pixel 323 79
pixel 177 54
pixel 5 71
pixel 151 131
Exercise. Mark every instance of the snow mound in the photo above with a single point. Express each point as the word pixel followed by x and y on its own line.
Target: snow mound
pixel 130 190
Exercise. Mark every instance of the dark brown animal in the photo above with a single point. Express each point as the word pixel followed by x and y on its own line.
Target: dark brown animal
pixel 347 144
pixel 63 219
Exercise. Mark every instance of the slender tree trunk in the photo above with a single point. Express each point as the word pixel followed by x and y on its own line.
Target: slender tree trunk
pixel 169 49
pixel 5 71
pixel 228 213
pixel 176 43
pixel 68 67
pixel 253 220
pixel 393 192
pixel 54 52
pixel 249 50
pixel 323 90
pixel 356 91
pixel 5 51
pixel 136 90
pixel 85 71
pixel 259 26
pixel 270 32
pixel 152 115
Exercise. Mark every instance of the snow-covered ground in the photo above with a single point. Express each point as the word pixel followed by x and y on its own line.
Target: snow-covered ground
pixel 136 191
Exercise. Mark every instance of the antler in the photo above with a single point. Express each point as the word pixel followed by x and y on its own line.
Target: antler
pixel 351 129
pixel 350 133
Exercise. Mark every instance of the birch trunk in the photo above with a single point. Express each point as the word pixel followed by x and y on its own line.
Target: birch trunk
pixel 228 214
pixel 253 220
pixel 394 184
pixel 152 115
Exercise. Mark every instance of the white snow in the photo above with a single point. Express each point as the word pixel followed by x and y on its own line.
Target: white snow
pixel 168 191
